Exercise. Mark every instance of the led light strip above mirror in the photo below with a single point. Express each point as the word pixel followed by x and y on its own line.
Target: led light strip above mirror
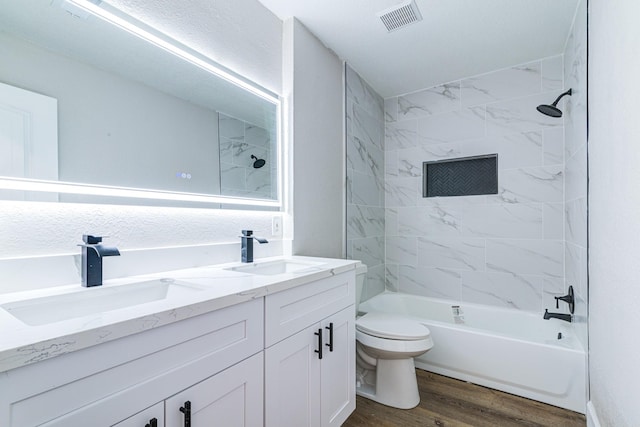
pixel 18 184
pixel 111 15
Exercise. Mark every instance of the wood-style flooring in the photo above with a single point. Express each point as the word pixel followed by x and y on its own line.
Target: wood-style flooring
pixel 447 402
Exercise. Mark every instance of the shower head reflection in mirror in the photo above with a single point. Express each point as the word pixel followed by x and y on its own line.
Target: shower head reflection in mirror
pixel 258 163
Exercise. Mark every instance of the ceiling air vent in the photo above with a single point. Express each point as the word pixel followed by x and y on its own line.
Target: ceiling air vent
pixel 400 15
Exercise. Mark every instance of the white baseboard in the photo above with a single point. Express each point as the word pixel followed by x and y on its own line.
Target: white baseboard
pixel 592 417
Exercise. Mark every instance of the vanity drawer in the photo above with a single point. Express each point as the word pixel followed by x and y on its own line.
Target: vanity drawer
pixel 290 311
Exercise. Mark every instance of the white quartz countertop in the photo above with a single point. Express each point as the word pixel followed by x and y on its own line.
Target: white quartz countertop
pixel 218 286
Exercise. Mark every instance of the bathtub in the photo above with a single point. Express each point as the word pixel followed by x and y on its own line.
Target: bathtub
pixel 509 350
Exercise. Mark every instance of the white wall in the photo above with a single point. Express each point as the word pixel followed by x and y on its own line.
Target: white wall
pixel 39 240
pixel 242 34
pixel 614 211
pixel 316 98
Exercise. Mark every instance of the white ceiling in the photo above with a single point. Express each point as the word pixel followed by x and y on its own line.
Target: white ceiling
pixel 455 39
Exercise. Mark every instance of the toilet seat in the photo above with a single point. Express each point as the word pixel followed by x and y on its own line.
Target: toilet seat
pixel 392 327
pixel 394 349
pixel 393 336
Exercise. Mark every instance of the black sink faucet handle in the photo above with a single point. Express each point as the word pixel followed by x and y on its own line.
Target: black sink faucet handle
pixel 91 240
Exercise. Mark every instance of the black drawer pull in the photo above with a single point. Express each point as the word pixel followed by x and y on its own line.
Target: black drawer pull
pixel 153 422
pixel 319 350
pixel 186 410
pixel 330 328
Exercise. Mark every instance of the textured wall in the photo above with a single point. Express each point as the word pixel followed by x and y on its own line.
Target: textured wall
pixel 365 179
pixel 505 249
pixel 614 211
pixel 575 196
pixel 39 239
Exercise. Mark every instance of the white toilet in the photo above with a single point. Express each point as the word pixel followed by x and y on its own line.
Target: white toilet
pixel 385 347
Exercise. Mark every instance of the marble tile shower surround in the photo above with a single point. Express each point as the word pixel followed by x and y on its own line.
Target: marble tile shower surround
pixel 238 141
pixel 365 180
pixel 575 201
pixel 505 249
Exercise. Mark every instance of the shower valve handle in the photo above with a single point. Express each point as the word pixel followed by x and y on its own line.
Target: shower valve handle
pixel 569 299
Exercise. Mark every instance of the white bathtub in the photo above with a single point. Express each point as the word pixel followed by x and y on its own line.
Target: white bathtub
pixel 505 349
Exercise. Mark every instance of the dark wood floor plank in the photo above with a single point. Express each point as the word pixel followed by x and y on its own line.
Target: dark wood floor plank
pixel 447 402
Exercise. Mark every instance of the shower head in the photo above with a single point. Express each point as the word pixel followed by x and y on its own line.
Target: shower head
pixel 552 110
pixel 258 163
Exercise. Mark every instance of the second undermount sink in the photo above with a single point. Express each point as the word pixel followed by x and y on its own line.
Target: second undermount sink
pixel 55 308
pixel 270 268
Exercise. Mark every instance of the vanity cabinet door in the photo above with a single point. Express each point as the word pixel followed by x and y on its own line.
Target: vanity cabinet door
pixel 292 381
pixel 338 368
pixel 302 389
pixel 150 417
pixel 232 398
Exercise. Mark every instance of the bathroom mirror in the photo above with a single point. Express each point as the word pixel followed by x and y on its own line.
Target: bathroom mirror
pixel 101 109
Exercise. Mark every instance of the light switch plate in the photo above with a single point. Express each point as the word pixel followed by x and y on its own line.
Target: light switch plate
pixel 276 226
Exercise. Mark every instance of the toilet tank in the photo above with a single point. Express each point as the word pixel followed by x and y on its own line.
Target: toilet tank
pixel 361 273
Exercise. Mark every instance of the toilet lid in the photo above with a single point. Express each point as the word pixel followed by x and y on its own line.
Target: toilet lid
pixel 390 326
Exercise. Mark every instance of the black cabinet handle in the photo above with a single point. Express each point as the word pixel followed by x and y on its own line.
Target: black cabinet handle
pixel 319 350
pixel 186 410
pixel 153 422
pixel 330 328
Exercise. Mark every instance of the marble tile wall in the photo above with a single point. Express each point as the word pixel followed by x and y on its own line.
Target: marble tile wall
pixel 238 141
pixel 365 180
pixel 575 202
pixel 503 250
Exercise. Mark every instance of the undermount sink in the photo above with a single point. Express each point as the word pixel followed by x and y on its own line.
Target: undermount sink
pixel 270 268
pixel 55 308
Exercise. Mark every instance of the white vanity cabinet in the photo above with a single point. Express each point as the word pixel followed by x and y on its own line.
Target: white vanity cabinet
pixel 304 387
pixel 284 359
pixel 209 359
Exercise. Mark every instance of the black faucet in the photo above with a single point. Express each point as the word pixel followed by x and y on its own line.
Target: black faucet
pixel 247 245
pixel 561 316
pixel 92 254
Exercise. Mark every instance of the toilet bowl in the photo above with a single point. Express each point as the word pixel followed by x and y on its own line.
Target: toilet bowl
pixel 385 347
